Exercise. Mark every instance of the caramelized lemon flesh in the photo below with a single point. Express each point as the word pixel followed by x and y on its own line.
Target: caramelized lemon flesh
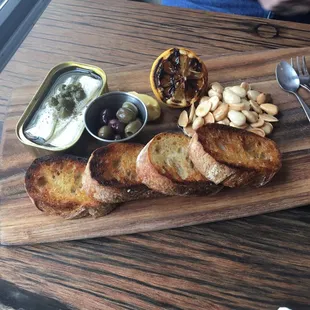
pixel 178 77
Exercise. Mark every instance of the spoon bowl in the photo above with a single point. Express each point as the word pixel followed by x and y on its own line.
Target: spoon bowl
pixel 289 82
pixel 287 77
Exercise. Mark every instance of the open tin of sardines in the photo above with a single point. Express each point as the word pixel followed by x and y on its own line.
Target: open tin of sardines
pixel 53 120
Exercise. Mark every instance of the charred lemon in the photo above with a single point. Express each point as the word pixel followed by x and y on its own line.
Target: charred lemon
pixel 178 78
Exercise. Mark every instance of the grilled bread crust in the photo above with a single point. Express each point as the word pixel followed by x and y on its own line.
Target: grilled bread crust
pixel 110 175
pixel 164 166
pixel 54 184
pixel 234 157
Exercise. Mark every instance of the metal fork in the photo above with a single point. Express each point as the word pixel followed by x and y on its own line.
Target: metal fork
pixel 303 73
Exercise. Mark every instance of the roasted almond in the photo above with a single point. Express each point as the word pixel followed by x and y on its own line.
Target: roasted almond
pixel 216 86
pixel 270 108
pixel 259 123
pixel 254 105
pixel 203 108
pixel 240 127
pixel 212 93
pixel 250 116
pixel 225 121
pixel 189 131
pixel 246 104
pixel 237 118
pixel 237 106
pixel 215 102
pixel 221 112
pixel 246 86
pixel 257 131
pixel 198 122
pixel 261 98
pixel 267 128
pixel 253 94
pixel 269 118
pixel 191 114
pixel 209 118
pixel 183 119
pixel 239 91
pixel 204 99
pixel 230 97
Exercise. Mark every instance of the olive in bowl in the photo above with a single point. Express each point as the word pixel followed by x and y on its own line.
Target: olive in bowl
pixel 115 117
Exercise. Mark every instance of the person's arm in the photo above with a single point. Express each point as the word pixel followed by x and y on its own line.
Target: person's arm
pixel 287 7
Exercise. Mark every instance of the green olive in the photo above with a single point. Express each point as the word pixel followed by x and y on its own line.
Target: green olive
pixel 130 106
pixel 125 115
pixel 105 132
pixel 132 127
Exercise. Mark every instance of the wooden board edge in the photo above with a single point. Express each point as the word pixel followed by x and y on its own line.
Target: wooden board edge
pixel 209 217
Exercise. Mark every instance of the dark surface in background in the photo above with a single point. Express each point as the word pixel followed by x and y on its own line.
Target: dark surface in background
pixel 17 25
pixel 297 19
pixel 16 298
pixel 12 23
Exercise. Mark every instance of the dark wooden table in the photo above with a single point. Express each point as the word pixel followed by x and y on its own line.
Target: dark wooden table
pixel 262 262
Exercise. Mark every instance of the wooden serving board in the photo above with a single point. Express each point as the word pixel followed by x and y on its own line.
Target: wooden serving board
pixel 22 223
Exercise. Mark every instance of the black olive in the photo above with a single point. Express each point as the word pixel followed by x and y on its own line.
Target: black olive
pixel 117 126
pixel 105 116
pixel 117 137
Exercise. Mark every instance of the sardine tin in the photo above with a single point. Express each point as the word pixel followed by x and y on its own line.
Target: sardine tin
pixel 40 96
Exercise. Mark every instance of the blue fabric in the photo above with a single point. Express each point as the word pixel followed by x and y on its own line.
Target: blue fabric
pixel 241 7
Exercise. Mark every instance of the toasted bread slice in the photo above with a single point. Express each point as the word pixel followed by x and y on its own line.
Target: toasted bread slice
pixel 234 157
pixel 110 175
pixel 54 184
pixel 164 166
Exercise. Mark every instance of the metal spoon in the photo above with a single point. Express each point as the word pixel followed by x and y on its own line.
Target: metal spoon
pixel 289 81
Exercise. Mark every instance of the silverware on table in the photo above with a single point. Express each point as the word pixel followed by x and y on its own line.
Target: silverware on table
pixel 303 73
pixel 289 81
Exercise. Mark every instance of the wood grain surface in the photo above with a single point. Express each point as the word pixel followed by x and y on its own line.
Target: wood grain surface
pixel 241 264
pixel 22 223
pixel 260 262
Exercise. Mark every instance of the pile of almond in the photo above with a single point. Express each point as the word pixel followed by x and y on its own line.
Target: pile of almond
pixel 236 106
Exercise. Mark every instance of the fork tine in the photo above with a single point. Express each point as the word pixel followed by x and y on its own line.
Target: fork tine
pixel 304 65
pixel 292 62
pixel 298 66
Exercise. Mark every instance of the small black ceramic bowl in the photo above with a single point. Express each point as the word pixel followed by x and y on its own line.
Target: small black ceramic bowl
pixel 112 101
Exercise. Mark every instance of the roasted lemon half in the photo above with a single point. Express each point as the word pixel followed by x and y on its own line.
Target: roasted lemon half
pixel 178 78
